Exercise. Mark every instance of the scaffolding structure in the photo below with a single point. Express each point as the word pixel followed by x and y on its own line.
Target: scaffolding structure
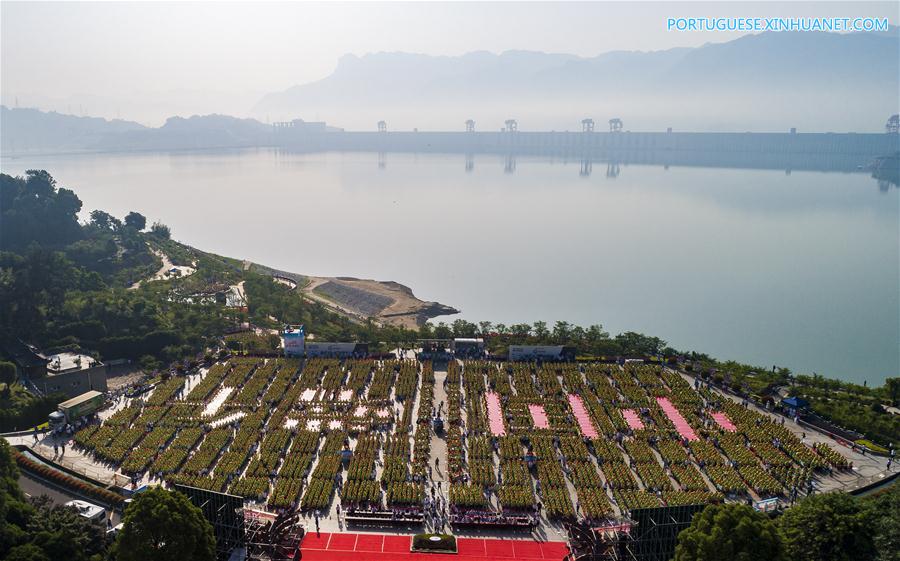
pixel 224 512
pixel 272 537
pixel 649 534
pixel 606 542
pixel 655 531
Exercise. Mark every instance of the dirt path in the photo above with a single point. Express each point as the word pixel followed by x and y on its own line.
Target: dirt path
pixel 167 266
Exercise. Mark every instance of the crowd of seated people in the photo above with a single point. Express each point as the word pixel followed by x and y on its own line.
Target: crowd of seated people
pixel 376 512
pixel 469 517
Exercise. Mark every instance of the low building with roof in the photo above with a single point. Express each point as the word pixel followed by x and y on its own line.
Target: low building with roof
pixel 73 374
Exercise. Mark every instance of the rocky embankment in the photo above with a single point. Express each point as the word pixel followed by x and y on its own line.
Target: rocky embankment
pixel 385 302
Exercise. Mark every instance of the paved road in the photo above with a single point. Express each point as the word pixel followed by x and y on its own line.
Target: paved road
pixel 34 488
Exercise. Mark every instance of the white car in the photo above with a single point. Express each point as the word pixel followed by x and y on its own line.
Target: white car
pixel 90 511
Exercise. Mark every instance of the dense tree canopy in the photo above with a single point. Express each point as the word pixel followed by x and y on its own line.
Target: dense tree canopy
pixel 40 529
pixel 885 514
pixel 162 524
pixel 160 230
pixel 7 373
pixel 829 527
pixel 33 210
pixel 136 220
pixel 729 532
pixel 893 389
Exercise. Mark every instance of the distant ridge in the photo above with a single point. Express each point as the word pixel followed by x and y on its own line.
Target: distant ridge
pixel 27 129
pixel 31 130
pixel 756 82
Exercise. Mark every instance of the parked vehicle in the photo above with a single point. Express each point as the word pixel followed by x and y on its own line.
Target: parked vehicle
pixel 136 391
pixel 88 510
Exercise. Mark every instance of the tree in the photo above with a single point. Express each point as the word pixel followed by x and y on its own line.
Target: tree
pixel 104 221
pixel 885 512
pixel 273 342
pixel 136 220
pixel 463 328
pixel 62 533
pixel 160 230
pixel 639 344
pixel 27 552
pixel 7 374
pixel 33 210
pixel 893 389
pixel 595 333
pixel 520 329
pixel 41 530
pixel 540 330
pixel 828 527
pixel 730 532
pixel 562 331
pixel 162 524
pixel 442 331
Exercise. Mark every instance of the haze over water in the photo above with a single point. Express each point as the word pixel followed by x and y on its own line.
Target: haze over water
pixel 799 270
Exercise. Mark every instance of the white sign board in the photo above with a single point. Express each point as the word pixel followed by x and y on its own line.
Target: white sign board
pixel 330 349
pixel 532 352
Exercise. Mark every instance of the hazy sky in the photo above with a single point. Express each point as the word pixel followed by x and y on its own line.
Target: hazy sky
pixel 145 61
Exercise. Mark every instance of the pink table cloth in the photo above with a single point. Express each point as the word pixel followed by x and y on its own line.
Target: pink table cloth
pixel 681 424
pixel 582 417
pixel 724 422
pixel 633 419
pixel 495 414
pixel 539 416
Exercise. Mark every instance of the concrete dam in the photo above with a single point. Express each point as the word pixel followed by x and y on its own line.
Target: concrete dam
pixel 815 151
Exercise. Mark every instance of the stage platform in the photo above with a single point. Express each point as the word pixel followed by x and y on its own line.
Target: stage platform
pixel 384 547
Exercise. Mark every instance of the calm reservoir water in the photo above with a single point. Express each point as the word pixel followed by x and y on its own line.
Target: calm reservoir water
pixel 799 269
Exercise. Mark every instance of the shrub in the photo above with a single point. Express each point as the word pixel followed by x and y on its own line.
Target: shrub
pixel 872 446
pixel 67 481
pixel 426 542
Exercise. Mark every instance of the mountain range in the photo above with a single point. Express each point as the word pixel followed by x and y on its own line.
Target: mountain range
pixel 770 81
pixel 816 82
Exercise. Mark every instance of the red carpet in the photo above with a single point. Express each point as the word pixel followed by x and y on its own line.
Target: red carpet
pixel 370 542
pixel 379 547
